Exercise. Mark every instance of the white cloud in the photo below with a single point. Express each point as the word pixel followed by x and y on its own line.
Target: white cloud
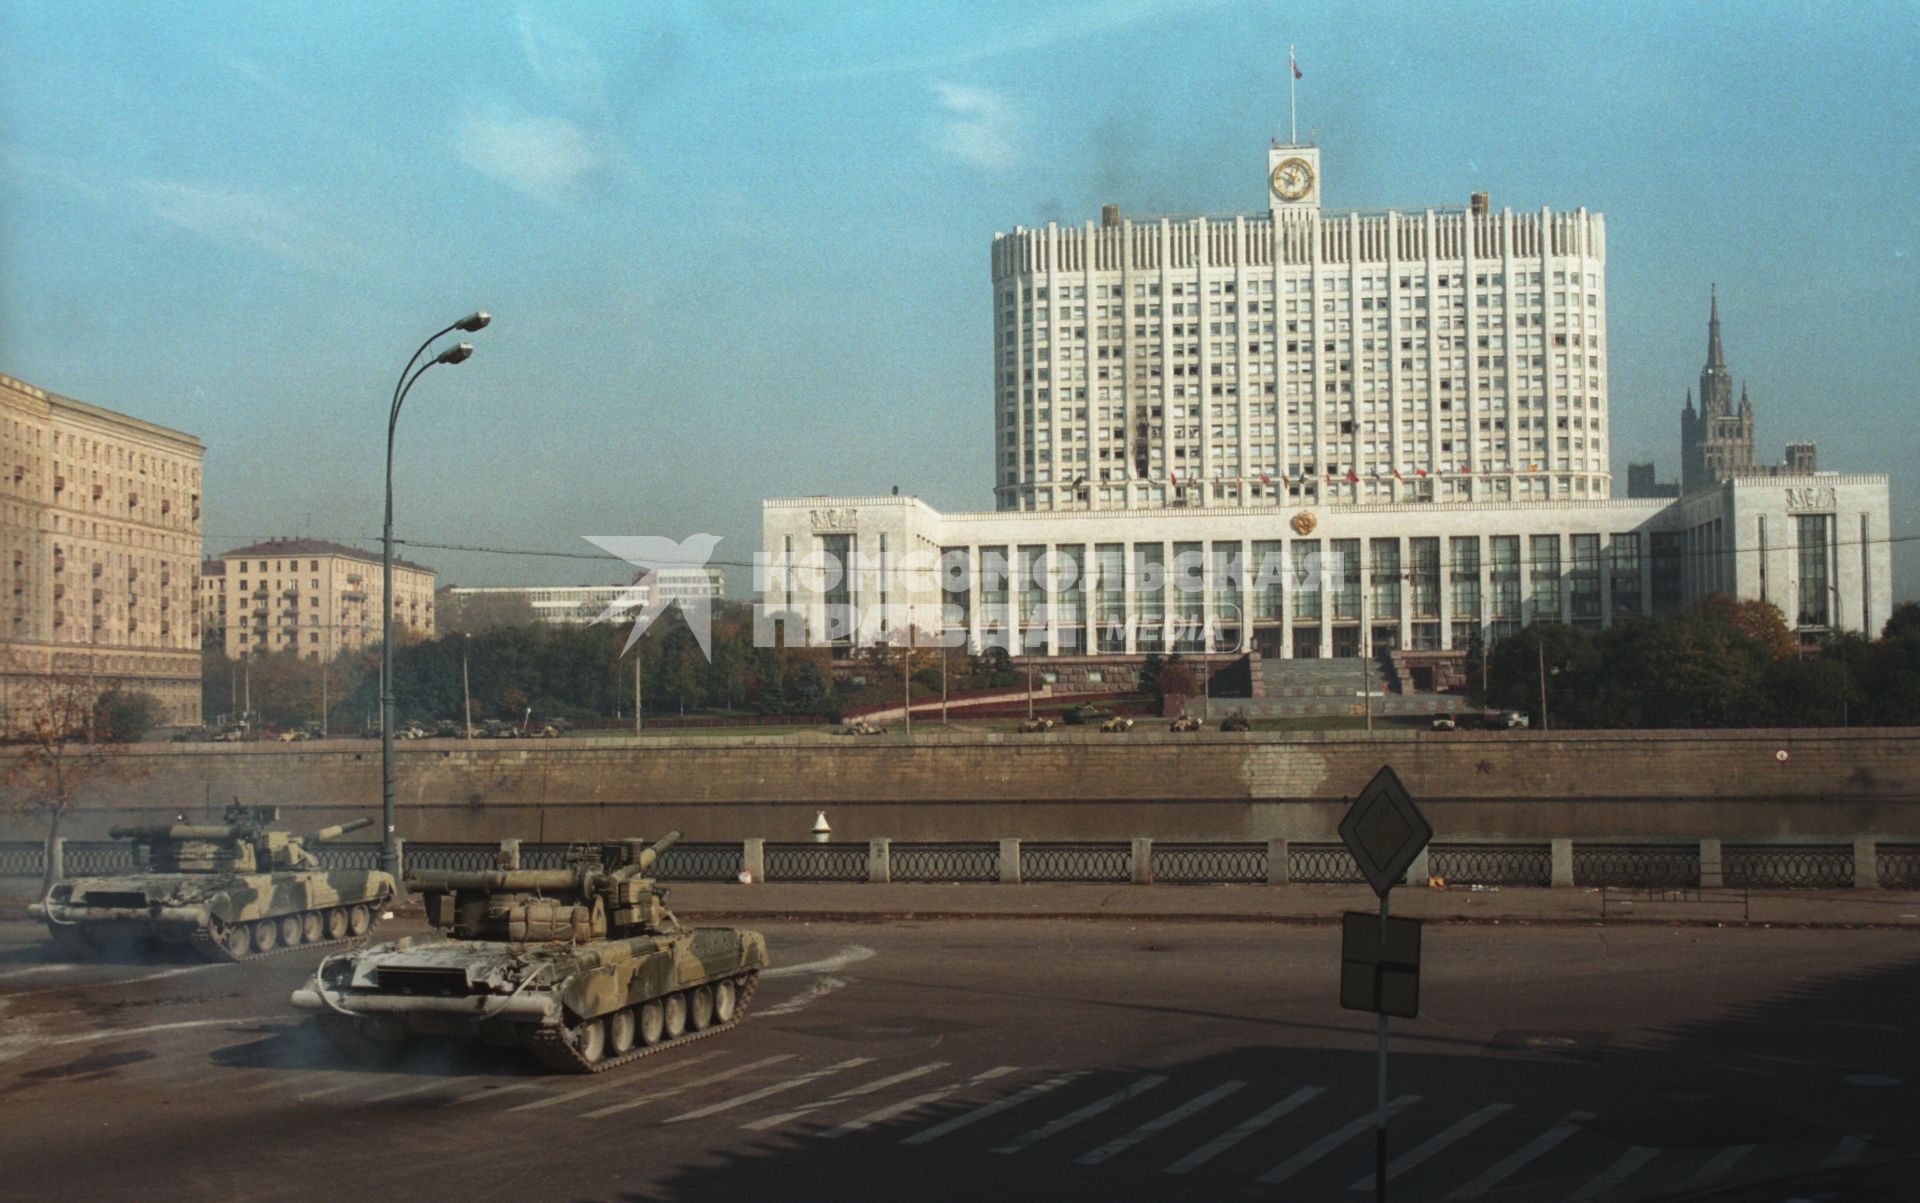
pixel 257 219
pixel 981 128
pixel 547 158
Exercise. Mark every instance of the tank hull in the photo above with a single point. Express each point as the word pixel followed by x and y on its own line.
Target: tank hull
pixel 225 916
pixel 578 1008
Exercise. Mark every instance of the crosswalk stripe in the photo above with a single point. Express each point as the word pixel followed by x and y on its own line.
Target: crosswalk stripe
pixel 1848 1151
pixel 754 1096
pixel 554 1100
pixel 1500 1171
pixel 1720 1165
pixel 988 1110
pixel 1459 1130
pixel 404 1091
pixel 656 1095
pixel 774 1121
pixel 1331 1141
pixel 1154 1127
pixel 491 1091
pixel 1097 1107
pixel 1613 1175
pixel 1245 1128
pixel 918 1101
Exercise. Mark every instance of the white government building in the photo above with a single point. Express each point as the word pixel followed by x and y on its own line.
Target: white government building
pixel 1313 433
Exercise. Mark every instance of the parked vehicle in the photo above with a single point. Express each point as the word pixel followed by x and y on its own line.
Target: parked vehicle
pixel 1444 722
pixel 1185 723
pixel 1118 723
pixel 1515 720
pixel 859 726
pixel 1085 713
pixel 1237 721
pixel 1030 726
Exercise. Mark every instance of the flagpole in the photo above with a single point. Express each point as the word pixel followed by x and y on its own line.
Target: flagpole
pixel 1293 110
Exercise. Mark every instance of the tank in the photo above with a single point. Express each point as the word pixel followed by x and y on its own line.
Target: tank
pixel 234 890
pixel 584 966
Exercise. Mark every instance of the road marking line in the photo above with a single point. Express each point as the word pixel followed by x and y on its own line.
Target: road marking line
pixel 1848 1151
pixel 618 1080
pixel 989 1109
pixel 403 1092
pixel 723 1076
pixel 1613 1175
pixel 334 1089
pixel 1154 1127
pixel 487 1092
pixel 117 1033
pixel 1720 1165
pixel 1245 1128
pixel 849 955
pixel 1097 1107
pixel 754 1096
pixel 1459 1130
pixel 1331 1141
pixel 915 1103
pixel 773 1121
pixel 1500 1171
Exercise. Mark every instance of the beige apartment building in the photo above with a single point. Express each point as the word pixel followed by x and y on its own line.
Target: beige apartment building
pixel 100 538
pixel 310 596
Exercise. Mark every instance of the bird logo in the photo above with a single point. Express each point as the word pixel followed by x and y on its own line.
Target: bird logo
pixel 647 598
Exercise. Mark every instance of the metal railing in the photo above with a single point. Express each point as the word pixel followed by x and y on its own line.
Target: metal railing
pixel 23 859
pixel 1789 866
pixel 347 856
pixel 1900 866
pixel 1209 863
pixel 946 862
pixel 1076 862
pixel 1492 864
pixel 1637 866
pixel 816 862
pixel 1322 864
pixel 88 858
pixel 451 858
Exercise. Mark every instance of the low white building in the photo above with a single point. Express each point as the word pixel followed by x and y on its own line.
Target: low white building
pixel 1318 581
pixel 569 605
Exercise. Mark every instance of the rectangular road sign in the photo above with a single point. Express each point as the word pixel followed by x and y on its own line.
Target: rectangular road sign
pixel 1380 964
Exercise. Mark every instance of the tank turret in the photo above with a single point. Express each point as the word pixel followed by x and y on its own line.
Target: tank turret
pixel 598 893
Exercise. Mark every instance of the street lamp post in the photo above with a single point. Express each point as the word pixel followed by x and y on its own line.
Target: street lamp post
pixel 458 353
pixel 466 688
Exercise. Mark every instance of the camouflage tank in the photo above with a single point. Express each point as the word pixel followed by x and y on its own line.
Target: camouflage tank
pixel 234 891
pixel 583 965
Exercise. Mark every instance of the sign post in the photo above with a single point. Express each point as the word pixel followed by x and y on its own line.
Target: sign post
pixel 1380 961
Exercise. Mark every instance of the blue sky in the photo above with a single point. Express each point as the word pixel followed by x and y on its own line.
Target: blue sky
pixel 739 250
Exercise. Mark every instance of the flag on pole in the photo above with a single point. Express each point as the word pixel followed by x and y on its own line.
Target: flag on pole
pixel 1174 479
pixel 1264 480
pixel 1353 478
pixel 1294 63
pixel 1397 476
pixel 1420 472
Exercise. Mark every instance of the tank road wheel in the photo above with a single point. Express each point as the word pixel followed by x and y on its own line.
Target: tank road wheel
pixel 724 999
pixel 675 1005
pixel 266 935
pixel 359 920
pixel 589 1039
pixel 700 1009
pixel 291 930
pixel 311 928
pixel 336 922
pixel 653 1022
pixel 620 1031
pixel 237 939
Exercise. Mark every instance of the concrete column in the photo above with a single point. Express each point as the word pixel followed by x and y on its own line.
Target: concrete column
pixel 1142 862
pixel 1421 870
pixel 880 861
pixel 1279 873
pixel 753 860
pixel 400 863
pixel 57 859
pixel 1562 864
pixel 1010 862
pixel 1866 864
pixel 1712 871
pixel 510 853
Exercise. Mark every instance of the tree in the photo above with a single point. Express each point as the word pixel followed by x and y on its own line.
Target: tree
pixel 473 613
pixel 59 757
pixel 124 716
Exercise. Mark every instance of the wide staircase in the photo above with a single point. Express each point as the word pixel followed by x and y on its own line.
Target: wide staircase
pixel 1315 688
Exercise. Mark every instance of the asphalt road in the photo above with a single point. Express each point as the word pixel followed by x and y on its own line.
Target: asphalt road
pixel 1011 1059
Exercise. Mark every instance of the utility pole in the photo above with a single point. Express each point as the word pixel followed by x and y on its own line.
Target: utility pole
pixel 906 680
pixel 1029 686
pixel 1366 669
pixel 1541 647
pixel 466 688
pixel 639 701
pixel 944 657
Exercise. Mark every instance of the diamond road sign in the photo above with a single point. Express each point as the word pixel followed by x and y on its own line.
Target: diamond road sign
pixel 1384 830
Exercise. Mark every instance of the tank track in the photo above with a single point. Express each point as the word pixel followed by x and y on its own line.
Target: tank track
pixel 207 946
pixel 550 1044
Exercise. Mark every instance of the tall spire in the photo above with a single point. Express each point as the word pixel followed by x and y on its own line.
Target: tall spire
pixel 1714 357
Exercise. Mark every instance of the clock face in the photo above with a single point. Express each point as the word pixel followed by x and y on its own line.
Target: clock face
pixel 1292 179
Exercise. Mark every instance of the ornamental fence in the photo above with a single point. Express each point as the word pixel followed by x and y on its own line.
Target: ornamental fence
pixel 1667 865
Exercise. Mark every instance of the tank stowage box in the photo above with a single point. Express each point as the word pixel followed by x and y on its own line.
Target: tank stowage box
pixel 584 965
pixel 233 890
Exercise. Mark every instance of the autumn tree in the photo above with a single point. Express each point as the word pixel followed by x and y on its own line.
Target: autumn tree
pixel 61 753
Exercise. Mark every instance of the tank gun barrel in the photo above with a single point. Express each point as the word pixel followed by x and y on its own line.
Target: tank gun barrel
pixel 648 857
pixel 339 829
pixel 493 880
pixel 158 832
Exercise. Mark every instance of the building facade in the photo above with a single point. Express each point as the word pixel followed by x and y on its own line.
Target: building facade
pixel 1717 442
pixel 574 605
pixel 1313 582
pixel 309 596
pixel 1303 355
pixel 100 534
